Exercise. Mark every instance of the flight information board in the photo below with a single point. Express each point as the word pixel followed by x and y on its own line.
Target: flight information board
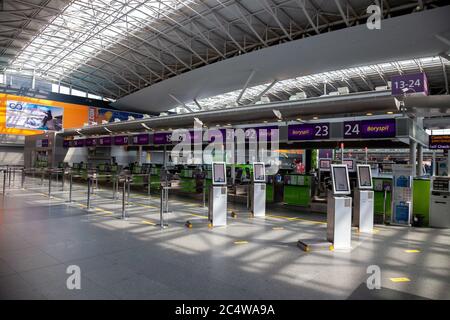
pixel 439 142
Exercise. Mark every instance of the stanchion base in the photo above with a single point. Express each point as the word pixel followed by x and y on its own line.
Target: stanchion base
pixel 309 245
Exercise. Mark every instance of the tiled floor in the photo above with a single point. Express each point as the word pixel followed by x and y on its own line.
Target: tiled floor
pixel 135 259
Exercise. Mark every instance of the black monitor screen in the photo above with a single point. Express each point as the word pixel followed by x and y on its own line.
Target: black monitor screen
pixel 219 173
pixel 259 172
pixel 364 176
pixel 325 164
pixel 340 180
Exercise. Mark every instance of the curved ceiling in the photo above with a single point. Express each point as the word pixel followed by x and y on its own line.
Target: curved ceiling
pixel 406 37
pixel 115 47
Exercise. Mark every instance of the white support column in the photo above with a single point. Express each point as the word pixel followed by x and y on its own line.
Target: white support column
pixel 412 156
pixel 419 159
pixel 33 80
pixel 448 163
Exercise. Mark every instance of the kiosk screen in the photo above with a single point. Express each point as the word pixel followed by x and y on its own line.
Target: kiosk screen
pixel 364 177
pixel 341 183
pixel 259 174
pixel 219 176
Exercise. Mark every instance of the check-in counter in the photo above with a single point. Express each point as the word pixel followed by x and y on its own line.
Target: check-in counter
pixel 421 196
pixel 297 189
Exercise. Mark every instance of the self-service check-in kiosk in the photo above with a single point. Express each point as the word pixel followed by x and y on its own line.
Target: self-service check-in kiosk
pixel 339 214
pixel 217 209
pixel 259 190
pixel 364 200
pixel 339 208
pixel 440 202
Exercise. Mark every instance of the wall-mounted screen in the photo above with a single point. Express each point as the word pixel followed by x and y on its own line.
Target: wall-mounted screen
pixel 350 164
pixel 364 176
pixel 219 176
pixel 25 115
pixel 339 176
pixel 259 172
pixel 324 164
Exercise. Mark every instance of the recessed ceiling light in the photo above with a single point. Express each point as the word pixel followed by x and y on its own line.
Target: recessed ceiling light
pixel 390 112
pixel 315 118
pixel 299 119
pixel 369 114
pixel 265 121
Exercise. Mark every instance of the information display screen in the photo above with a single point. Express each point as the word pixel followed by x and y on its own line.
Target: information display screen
pixel 341 183
pixel 324 164
pixel 219 174
pixel 364 176
pixel 259 173
pixel 350 163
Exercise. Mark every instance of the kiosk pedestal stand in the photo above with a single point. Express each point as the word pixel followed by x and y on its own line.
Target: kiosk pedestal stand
pixel 259 190
pixel 339 221
pixel 217 206
pixel 363 210
pixel 339 215
pixel 364 200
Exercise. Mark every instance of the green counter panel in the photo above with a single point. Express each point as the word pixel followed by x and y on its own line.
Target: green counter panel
pixel 297 195
pixel 188 185
pixel 421 198
pixel 379 202
pixel 269 193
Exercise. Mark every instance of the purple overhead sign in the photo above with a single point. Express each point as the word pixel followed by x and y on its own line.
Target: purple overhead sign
pixel 368 129
pixel 89 142
pixel 120 140
pixel 104 141
pixel 309 131
pixel 409 83
pixel 141 139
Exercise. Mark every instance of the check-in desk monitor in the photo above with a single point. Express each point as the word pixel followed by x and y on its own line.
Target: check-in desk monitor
pixel 324 164
pixel 363 200
pixel 339 208
pixel 440 202
pixel 259 190
pixel 217 212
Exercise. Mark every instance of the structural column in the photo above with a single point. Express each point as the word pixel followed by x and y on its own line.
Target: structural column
pixel 412 156
pixel 419 159
pixel 308 160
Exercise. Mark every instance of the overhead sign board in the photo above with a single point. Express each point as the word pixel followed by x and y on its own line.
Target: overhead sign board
pixel 121 140
pixel 439 142
pixel 369 129
pixel 309 131
pixel 141 139
pixel 104 141
pixel 90 142
pixel 409 83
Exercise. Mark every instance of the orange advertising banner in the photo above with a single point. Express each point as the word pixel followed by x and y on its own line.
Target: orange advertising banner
pixel 28 116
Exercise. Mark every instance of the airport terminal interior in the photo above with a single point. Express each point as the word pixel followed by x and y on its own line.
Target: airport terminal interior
pixel 224 150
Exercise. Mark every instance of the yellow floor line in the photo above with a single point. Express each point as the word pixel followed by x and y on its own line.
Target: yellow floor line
pixel 200 216
pixel 241 242
pixel 412 251
pixel 148 222
pixel 401 279
pixel 296 219
pixel 104 211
